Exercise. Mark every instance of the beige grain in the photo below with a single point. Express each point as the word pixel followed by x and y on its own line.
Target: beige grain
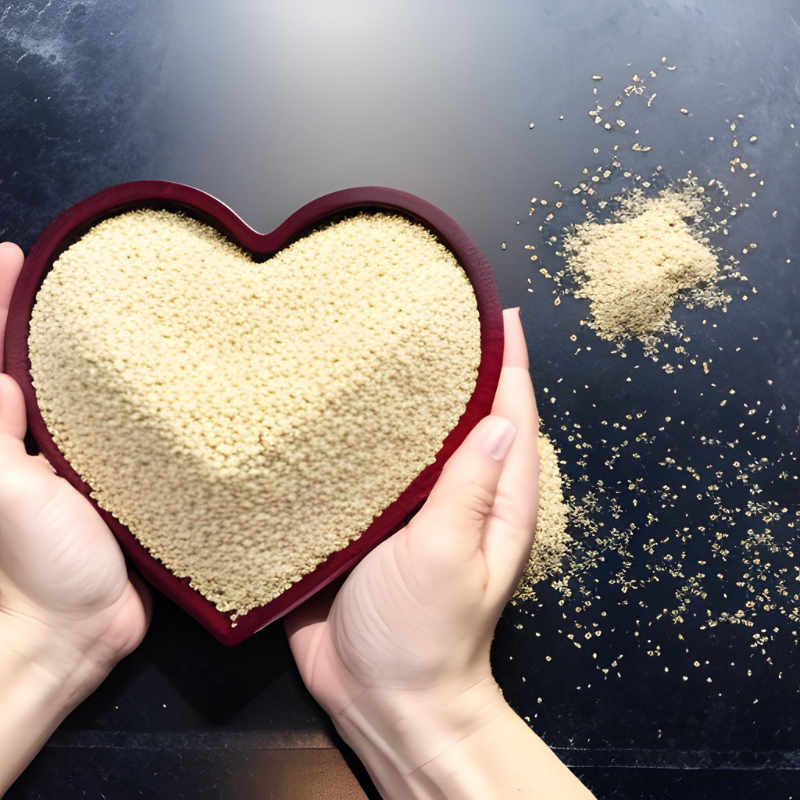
pixel 245 420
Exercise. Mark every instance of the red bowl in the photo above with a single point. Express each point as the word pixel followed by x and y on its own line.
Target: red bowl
pixel 72 224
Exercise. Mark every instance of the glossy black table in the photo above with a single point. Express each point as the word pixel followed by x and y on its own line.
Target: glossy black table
pixel 268 105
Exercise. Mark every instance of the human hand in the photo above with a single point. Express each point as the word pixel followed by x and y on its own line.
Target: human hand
pixel 399 656
pixel 419 611
pixel 68 608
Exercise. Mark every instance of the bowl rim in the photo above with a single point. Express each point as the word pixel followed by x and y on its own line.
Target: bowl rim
pixel 75 221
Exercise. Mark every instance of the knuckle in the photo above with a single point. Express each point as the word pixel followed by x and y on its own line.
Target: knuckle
pixel 477 500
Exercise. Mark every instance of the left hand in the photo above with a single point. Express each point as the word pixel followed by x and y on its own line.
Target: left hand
pixel 67 603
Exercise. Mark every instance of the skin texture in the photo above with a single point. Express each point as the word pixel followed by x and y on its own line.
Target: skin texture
pixel 399 656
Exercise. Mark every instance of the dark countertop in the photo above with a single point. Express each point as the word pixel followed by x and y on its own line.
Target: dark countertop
pixel 268 105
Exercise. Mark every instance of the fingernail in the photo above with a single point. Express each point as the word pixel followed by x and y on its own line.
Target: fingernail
pixel 498 437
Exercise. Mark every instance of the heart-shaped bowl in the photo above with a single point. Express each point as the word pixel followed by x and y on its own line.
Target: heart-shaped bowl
pixel 73 223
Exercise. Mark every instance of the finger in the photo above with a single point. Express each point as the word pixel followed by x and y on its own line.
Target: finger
pixel 510 530
pixel 515 349
pixel 451 523
pixel 515 400
pixel 12 410
pixel 11 258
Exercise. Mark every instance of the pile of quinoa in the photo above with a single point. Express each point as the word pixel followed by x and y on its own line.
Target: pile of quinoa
pixel 634 267
pixel 551 538
pixel 246 420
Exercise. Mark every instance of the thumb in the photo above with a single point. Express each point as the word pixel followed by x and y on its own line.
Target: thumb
pixel 455 514
pixel 14 424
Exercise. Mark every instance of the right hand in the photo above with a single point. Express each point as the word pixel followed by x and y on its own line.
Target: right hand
pixel 407 636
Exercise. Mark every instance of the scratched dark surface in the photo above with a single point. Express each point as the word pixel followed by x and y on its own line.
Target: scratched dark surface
pixel 268 105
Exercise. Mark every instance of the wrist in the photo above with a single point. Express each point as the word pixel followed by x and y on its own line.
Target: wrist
pixel 42 678
pixel 463 745
pixel 55 664
pixel 401 736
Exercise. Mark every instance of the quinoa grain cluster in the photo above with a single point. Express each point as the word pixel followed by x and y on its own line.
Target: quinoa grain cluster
pixel 633 268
